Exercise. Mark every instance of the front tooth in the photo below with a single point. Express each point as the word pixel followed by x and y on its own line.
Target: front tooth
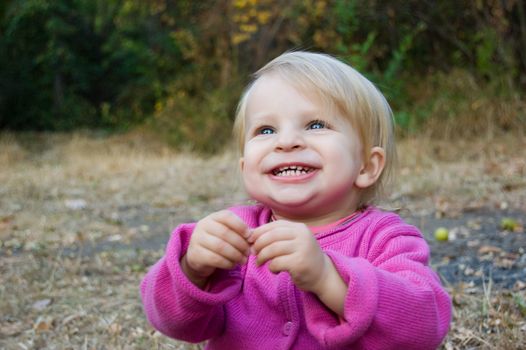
pixel 292 170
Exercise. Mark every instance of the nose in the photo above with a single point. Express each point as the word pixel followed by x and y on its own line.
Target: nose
pixel 290 140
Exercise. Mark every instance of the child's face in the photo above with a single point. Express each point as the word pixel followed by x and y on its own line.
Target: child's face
pixel 298 159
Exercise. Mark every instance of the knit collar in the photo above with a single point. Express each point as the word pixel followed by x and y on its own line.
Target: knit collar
pixel 332 225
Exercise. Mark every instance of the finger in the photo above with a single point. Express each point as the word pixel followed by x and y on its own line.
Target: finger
pixel 224 248
pixel 279 264
pixel 224 233
pixel 270 237
pixel 234 222
pixel 203 262
pixel 216 260
pixel 274 250
pixel 263 229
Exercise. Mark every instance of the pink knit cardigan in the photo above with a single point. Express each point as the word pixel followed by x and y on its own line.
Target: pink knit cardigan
pixel 394 301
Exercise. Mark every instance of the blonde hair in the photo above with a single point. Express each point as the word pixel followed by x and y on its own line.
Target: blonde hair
pixel 342 87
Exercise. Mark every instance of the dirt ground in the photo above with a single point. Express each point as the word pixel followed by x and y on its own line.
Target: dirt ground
pixel 83 217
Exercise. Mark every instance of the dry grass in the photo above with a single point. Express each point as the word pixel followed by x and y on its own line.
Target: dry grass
pixel 456 104
pixel 44 185
pixel 463 173
pixel 61 191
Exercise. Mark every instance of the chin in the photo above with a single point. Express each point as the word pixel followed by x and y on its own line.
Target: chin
pixel 294 208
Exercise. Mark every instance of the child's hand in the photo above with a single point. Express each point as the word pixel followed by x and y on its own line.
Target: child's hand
pixel 293 248
pixel 218 241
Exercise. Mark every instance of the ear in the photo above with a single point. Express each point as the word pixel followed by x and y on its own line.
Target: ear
pixel 372 168
pixel 241 163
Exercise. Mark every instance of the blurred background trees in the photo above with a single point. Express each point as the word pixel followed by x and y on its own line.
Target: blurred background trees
pixel 177 67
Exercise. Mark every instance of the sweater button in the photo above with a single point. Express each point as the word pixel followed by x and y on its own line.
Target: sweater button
pixel 287 328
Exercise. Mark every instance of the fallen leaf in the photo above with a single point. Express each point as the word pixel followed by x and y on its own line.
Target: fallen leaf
pixel 114 238
pixel 40 305
pixel 72 317
pixel 11 328
pixel 485 249
pixel 115 329
pixel 505 263
pixel 5 222
pixel 43 324
pixel 519 285
pixel 75 204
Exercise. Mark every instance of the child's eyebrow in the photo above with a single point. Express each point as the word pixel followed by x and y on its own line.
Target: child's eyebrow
pixel 259 119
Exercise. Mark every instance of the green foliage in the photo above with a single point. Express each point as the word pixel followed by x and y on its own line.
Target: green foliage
pixel 201 123
pixel 178 67
pixel 80 63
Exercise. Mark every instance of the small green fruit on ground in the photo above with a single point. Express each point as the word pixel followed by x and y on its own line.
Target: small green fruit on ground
pixel 508 224
pixel 441 234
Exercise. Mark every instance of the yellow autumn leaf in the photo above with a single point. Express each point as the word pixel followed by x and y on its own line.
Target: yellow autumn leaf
pixel 240 4
pixel 318 38
pixel 320 8
pixel 263 17
pixel 238 38
pixel 158 106
pixel 248 28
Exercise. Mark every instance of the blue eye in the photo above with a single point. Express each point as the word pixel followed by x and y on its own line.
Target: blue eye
pixel 265 131
pixel 317 124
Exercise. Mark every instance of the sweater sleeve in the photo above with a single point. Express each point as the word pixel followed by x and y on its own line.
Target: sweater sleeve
pixel 175 306
pixel 394 300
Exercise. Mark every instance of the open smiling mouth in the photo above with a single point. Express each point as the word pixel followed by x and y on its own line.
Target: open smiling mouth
pixel 292 170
